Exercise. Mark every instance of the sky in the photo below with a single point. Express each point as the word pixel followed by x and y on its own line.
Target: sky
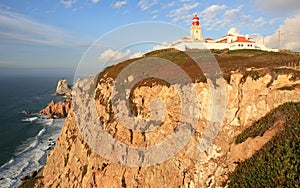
pixel 59 33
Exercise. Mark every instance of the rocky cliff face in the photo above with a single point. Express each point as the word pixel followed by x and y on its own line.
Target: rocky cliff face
pixel 59 110
pixel 74 163
pixel 62 87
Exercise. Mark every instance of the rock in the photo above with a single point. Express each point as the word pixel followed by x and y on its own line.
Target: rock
pixel 24 178
pixel 59 110
pixel 74 163
pixel 34 173
pixel 63 87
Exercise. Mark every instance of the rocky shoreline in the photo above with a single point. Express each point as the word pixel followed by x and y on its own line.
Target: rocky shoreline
pixel 54 110
pixel 59 109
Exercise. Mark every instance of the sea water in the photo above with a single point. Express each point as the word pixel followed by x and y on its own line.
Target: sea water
pixel 26 137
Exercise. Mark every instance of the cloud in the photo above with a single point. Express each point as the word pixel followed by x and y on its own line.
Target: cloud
pixel 95 1
pixel 231 14
pixel 20 28
pixel 119 4
pixel 290 37
pixel 259 22
pixel 279 7
pixel 171 4
pixel 233 31
pixel 183 13
pixel 211 12
pixel 220 17
pixel 161 46
pixel 114 56
pixel 146 4
pixel 67 3
pixel 3 62
pixel 136 55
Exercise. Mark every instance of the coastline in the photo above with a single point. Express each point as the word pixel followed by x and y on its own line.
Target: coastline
pixel 30 155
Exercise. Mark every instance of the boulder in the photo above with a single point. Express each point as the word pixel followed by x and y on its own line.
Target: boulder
pixel 63 87
pixel 59 110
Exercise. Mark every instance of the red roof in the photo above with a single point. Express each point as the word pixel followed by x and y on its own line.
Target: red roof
pixel 242 39
pixel 208 39
pixel 228 35
pixel 185 38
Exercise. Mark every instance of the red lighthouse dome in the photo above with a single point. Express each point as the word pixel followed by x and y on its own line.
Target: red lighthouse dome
pixel 195 20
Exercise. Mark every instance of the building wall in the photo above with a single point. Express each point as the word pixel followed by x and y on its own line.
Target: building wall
pixel 196 33
pixel 241 45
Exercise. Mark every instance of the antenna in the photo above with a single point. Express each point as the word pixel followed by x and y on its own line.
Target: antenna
pixel 278 40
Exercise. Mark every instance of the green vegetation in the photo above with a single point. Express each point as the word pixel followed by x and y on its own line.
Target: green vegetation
pixel 292 87
pixel 237 61
pixel 277 164
pixel 84 171
pixel 253 74
pixel 285 112
pixel 250 52
pixel 295 73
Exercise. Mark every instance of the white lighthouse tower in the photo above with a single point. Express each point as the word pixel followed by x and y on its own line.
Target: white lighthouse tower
pixel 196 29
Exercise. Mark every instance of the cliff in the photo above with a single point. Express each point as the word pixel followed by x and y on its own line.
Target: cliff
pixel 81 159
pixel 63 88
pixel 59 110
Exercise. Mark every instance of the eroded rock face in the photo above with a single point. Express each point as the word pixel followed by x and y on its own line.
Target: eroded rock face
pixel 59 110
pixel 62 87
pixel 74 163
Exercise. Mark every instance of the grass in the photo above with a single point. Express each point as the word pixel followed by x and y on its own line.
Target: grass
pixel 253 74
pixel 228 61
pixel 277 164
pixel 285 112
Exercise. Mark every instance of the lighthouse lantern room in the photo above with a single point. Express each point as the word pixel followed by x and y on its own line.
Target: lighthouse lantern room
pixel 196 29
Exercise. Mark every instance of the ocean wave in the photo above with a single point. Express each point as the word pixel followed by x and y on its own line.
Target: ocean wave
pixel 30 119
pixel 31 156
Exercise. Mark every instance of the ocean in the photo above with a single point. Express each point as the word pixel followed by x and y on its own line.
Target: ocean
pixel 26 138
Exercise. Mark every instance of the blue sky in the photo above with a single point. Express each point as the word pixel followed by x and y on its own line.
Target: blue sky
pixel 56 33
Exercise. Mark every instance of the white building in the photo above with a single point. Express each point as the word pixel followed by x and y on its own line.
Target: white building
pixel 229 41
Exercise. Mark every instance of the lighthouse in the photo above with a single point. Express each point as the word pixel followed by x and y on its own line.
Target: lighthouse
pixel 196 29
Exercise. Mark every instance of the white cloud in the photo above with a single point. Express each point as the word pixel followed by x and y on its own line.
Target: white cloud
pixel 20 28
pixel 233 31
pixel 95 1
pixel 4 63
pixel 259 22
pixel 67 3
pixel 114 56
pixel 171 4
pixel 136 55
pixel 183 13
pixel 161 46
pixel 220 16
pixel 119 4
pixel 231 14
pixel 146 4
pixel 290 37
pixel 211 12
pixel 279 7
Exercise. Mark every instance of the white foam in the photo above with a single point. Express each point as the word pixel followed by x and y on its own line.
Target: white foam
pixel 31 119
pixel 30 156
pixel 41 132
